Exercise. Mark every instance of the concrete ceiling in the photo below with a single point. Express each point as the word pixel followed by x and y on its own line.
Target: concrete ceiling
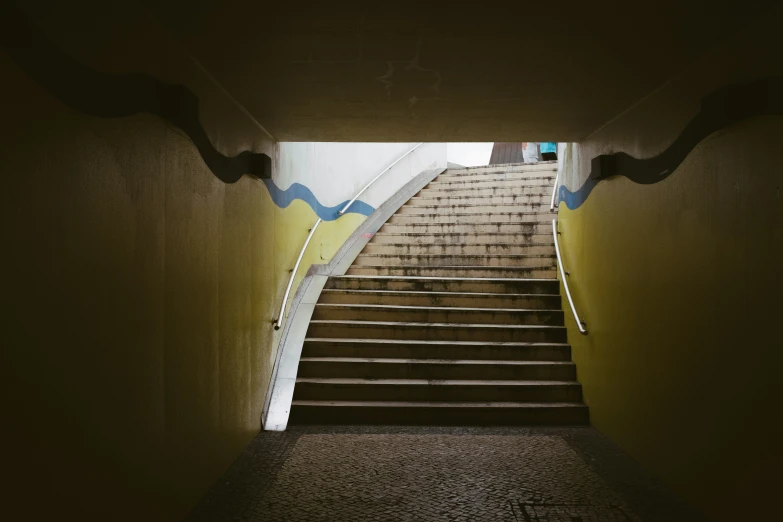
pixel 391 71
pixel 427 71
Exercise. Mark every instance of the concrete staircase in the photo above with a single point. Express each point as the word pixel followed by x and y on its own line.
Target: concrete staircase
pixel 450 315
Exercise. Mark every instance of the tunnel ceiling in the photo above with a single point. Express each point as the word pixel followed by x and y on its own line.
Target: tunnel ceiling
pixel 396 71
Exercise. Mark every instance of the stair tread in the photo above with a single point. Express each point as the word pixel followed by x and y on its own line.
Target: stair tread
pixel 447 278
pixel 432 382
pixel 463 267
pixel 382 360
pixel 437 325
pixel 437 308
pixel 544 210
pixel 467 190
pixel 444 343
pixel 524 244
pixel 440 404
pixel 456 255
pixel 459 267
pixel 448 180
pixel 488 197
pixel 446 294
pixel 436 234
pixel 536 166
pixel 468 205
pixel 477 224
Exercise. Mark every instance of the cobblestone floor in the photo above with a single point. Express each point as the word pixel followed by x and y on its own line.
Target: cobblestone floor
pixel 370 473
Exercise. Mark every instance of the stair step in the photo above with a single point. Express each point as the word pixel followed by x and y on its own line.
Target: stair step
pixel 437 260
pixel 499 190
pixel 403 349
pixel 444 284
pixel 497 175
pixel 438 369
pixel 435 314
pixel 437 390
pixel 525 196
pixel 460 239
pixel 498 227
pixel 474 217
pixel 453 209
pixel 438 413
pixel 482 250
pixel 542 272
pixel 436 331
pixel 447 183
pixel 449 299
pixel 528 168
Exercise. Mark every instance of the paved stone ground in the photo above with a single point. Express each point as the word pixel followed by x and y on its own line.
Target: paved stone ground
pixel 372 473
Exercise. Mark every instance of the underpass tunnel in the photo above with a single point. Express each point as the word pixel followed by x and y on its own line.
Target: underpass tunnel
pixel 165 162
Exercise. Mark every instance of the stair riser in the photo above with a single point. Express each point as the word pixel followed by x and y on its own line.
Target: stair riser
pixel 531 168
pixel 433 333
pixel 497 175
pixel 348 313
pixel 510 199
pixel 451 210
pixel 438 416
pixel 498 190
pixel 434 285
pixel 462 300
pixel 437 351
pixel 543 228
pixel 434 271
pixel 510 217
pixel 458 183
pixel 500 240
pixel 536 261
pixel 394 392
pixel 459 249
pixel 370 370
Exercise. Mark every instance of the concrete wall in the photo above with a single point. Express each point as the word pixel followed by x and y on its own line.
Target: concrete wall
pixel 139 289
pixel 680 287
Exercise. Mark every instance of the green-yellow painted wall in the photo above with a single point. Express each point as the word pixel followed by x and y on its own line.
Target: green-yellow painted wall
pixel 291 233
pixel 138 299
pixel 679 284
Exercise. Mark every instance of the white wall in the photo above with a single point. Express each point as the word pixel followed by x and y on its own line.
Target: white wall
pixel 470 154
pixel 335 172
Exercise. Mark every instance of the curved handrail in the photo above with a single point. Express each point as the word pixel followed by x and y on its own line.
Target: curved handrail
pixel 579 322
pixel 554 191
pixel 279 321
pixel 373 180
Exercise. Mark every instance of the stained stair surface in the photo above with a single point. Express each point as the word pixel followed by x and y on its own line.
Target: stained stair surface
pixel 450 315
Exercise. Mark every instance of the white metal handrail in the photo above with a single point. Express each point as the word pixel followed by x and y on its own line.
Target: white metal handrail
pixel 579 322
pixel 279 321
pixel 373 180
pixel 554 192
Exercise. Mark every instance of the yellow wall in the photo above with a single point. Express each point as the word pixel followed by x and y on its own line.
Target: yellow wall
pixel 291 233
pixel 138 297
pixel 679 284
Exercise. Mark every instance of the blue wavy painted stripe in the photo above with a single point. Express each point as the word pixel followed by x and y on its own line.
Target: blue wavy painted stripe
pixel 720 109
pixel 283 198
pixel 574 200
